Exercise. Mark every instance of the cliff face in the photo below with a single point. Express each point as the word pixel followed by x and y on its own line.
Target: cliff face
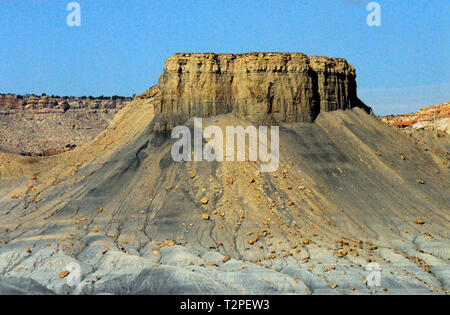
pixel 260 87
pixel 436 117
pixel 34 125
pixel 46 104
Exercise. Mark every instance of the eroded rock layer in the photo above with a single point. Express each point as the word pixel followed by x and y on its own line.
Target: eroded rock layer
pixel 436 117
pixel 48 125
pixel 260 87
pixel 349 191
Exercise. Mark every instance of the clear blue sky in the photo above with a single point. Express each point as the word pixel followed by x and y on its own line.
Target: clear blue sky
pixel 121 45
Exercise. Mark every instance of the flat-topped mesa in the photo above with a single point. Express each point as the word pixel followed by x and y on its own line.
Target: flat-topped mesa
pixel 260 87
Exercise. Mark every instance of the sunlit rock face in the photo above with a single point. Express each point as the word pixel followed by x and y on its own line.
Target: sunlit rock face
pixel 260 87
pixel 432 118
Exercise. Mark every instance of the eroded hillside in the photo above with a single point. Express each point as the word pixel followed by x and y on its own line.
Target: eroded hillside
pixel 349 190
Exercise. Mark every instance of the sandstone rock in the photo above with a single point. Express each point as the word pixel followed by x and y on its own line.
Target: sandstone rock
pixel 51 152
pixel 263 88
pixel 420 221
pixel 63 274
pixel 435 117
pixel 51 104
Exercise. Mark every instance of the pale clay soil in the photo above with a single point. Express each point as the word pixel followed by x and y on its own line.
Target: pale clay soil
pixel 348 191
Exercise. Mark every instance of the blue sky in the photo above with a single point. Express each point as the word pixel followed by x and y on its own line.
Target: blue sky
pixel 121 45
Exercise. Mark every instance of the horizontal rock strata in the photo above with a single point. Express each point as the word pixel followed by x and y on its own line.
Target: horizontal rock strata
pixel 436 117
pixel 260 87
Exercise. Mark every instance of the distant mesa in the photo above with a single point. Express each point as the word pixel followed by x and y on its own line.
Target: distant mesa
pixel 436 117
pixel 48 125
pixel 45 103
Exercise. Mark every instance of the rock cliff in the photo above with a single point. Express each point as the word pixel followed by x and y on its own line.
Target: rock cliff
pixel 45 103
pixel 263 88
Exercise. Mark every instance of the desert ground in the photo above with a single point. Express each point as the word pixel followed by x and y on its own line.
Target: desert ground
pixel 349 190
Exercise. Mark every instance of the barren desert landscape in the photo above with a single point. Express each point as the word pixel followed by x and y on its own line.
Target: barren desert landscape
pixel 105 201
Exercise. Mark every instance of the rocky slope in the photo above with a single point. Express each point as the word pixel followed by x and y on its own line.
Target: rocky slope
pixel 46 125
pixel 349 190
